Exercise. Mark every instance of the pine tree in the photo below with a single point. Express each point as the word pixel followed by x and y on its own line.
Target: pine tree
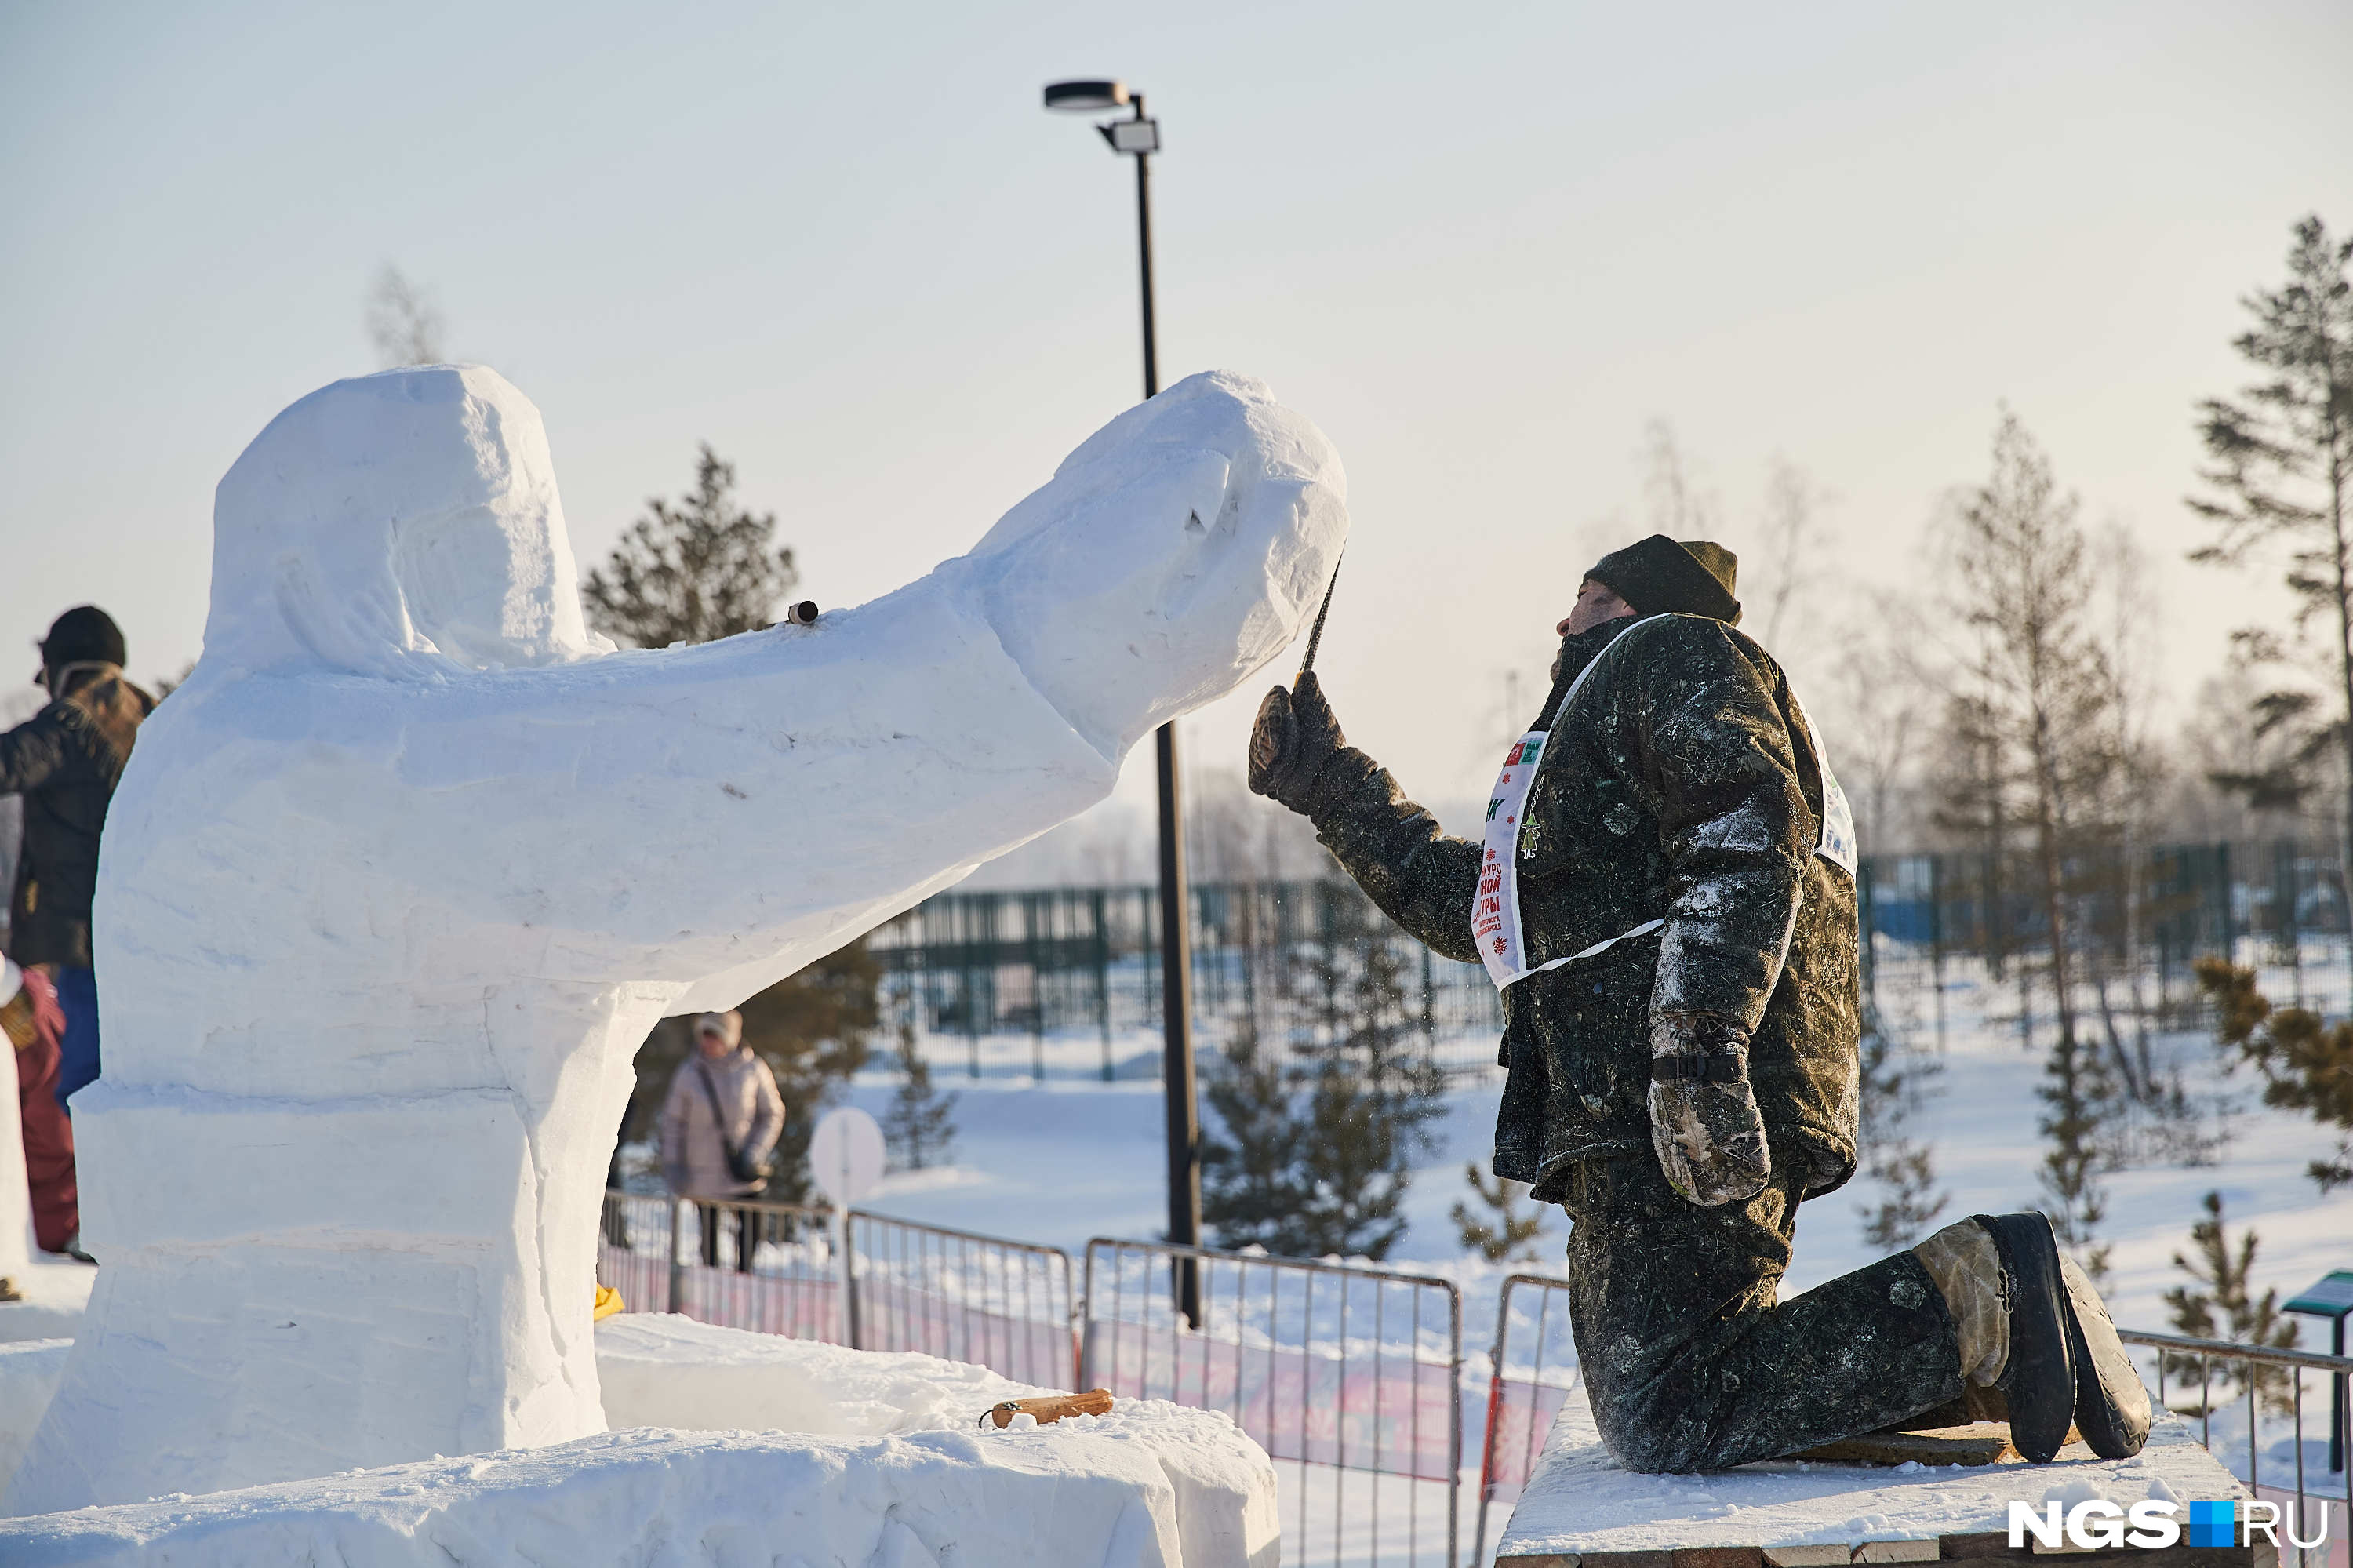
pixel 2224 1308
pixel 1906 1171
pixel 917 1128
pixel 1371 1097
pixel 692 572
pixel 2307 1063
pixel 2280 468
pixel 1251 1187
pixel 2075 1089
pixel 1502 1236
pixel 1314 1158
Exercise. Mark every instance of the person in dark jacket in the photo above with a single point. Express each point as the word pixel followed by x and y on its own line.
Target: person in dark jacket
pixel 65 761
pixel 1664 893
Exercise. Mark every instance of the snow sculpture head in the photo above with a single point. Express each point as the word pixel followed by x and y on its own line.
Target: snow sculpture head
pixel 399 524
pixel 1184 538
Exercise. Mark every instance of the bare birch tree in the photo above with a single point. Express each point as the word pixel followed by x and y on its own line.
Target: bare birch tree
pixel 1794 542
pixel 403 322
pixel 1883 710
pixel 2038 689
pixel 1678 508
pixel 2035 701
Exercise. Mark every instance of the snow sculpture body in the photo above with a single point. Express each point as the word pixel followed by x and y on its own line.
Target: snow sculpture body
pixel 397 882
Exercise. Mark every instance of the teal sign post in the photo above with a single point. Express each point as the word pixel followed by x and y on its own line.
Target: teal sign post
pixel 2331 1299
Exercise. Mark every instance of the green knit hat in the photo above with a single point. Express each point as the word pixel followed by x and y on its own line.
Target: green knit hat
pixel 1658 573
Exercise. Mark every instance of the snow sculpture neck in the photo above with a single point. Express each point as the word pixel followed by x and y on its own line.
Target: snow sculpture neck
pixel 396 883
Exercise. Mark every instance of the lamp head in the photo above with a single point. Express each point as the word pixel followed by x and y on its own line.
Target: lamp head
pixel 1091 97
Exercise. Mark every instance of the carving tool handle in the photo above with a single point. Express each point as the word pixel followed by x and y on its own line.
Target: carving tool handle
pixel 1050 1409
pixel 1315 633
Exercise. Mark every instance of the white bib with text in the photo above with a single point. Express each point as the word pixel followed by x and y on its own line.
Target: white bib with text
pixel 1495 908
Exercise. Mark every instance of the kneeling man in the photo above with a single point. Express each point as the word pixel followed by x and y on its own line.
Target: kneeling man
pixel 1665 896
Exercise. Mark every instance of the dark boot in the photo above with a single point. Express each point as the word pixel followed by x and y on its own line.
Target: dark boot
pixel 2112 1409
pixel 2040 1380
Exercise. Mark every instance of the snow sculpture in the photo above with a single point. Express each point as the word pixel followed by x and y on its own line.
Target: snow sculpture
pixel 396 883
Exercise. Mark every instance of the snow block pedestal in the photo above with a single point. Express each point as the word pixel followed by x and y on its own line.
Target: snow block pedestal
pixel 1581 1510
pixel 1120 1491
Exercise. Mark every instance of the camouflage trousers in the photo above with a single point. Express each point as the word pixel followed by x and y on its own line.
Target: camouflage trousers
pixel 1689 1361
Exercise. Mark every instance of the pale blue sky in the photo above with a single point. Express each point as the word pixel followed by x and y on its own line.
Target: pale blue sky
pixel 1481 247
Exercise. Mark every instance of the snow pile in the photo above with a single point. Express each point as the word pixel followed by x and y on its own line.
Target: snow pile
pixel 30 1369
pixel 1580 1500
pixel 400 877
pixel 661 1370
pixel 1150 1486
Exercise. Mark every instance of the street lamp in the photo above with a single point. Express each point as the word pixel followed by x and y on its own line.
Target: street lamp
pixel 1138 137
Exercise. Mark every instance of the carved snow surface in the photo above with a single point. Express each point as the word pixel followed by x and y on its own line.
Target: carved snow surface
pixel 396 883
pixel 1149 1485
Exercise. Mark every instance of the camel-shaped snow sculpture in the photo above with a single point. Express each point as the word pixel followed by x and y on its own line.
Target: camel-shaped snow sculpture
pixel 396 883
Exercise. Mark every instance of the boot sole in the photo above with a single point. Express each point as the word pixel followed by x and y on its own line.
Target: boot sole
pixel 2040 1378
pixel 2099 1415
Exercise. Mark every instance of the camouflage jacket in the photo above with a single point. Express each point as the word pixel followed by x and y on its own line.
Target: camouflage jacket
pixel 1681 784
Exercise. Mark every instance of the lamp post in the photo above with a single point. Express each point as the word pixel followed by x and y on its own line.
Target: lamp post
pixel 1138 137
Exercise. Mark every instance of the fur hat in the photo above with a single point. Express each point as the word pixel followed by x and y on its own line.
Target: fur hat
pixel 728 1026
pixel 1658 574
pixel 83 635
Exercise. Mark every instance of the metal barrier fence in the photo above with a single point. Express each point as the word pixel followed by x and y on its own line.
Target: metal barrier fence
pixel 637 1249
pixel 1004 1305
pixel 2137 917
pixel 769 1267
pixel 1535 1366
pixel 2315 1523
pixel 1346 1377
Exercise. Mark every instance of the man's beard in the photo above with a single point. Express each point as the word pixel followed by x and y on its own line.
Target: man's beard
pixel 1577 650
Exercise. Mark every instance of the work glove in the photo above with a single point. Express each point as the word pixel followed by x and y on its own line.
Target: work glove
pixel 1704 1125
pixel 1293 744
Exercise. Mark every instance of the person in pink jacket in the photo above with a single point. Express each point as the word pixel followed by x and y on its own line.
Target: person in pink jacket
pixel 719 1124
